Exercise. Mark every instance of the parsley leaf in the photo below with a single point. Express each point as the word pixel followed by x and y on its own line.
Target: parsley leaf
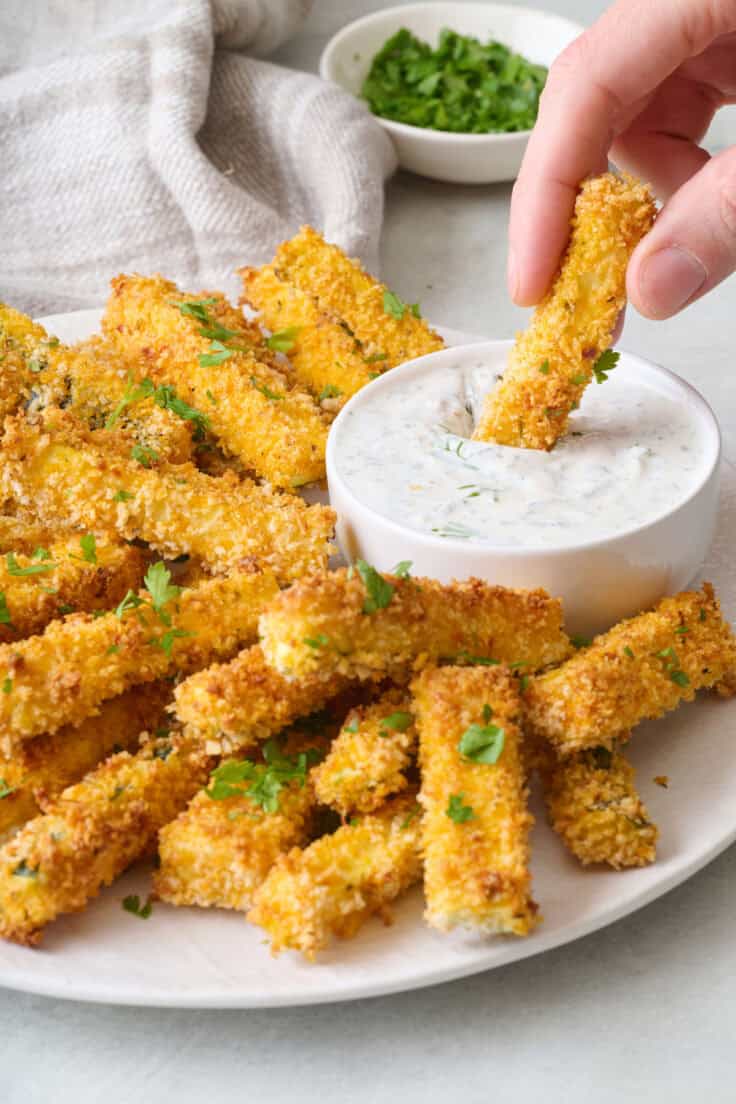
pixel 580 641
pixel 129 602
pixel 379 592
pixel 477 661
pixel 402 569
pixel 605 363
pixel 157 582
pixel 14 567
pixel 482 743
pixel 5 618
pixel 217 355
pixel 456 810
pixel 395 722
pixel 144 455
pixel 134 392
pixel 261 783
pixel 132 904
pixel 265 390
pixel 318 641
pixel 88 544
pixel 5 789
pixel 352 727
pixel 166 397
pixel 329 391
pixel 122 496
pixel 283 340
pixel 394 306
pixel 544 367
pixel 166 641
pixel 7 685
pixel 195 308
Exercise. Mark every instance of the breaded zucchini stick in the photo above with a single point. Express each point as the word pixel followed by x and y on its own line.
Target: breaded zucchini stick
pixel 553 361
pixel 232 706
pixel 70 477
pixel 71 572
pixel 204 348
pixel 17 534
pixel 62 676
pixel 360 623
pixel 90 834
pixel 475 828
pixel 20 340
pixel 340 880
pixel 45 766
pixel 595 809
pixel 220 849
pixel 368 761
pixel 641 668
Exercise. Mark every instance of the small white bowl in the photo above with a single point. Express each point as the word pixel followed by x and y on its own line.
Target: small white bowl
pixel 599 581
pixel 460 158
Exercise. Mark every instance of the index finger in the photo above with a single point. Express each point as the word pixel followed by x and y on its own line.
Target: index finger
pixel 594 89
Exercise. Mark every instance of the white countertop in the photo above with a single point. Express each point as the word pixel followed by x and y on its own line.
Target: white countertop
pixel 644 1010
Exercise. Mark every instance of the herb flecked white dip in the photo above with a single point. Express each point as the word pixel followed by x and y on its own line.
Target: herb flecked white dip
pixel 631 455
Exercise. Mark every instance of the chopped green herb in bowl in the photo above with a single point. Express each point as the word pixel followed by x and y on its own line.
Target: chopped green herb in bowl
pixel 463 85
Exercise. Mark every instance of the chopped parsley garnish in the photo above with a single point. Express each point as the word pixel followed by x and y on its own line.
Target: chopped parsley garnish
pixel 88 544
pixel 211 397
pixel 129 602
pixel 5 618
pixel 218 354
pixel 217 332
pixel 122 496
pixel 482 743
pixel 157 582
pixel 166 397
pixel 166 641
pixel 395 722
pixel 679 677
pixel 461 85
pixel 394 306
pixel 672 670
pixel 456 809
pixel 378 592
pixel 605 363
pixel 7 685
pixel 402 569
pixel 703 614
pixel 375 358
pixel 265 390
pixel 113 649
pixel 261 782
pixel 195 308
pixel 5 789
pixel 628 652
pixel 580 641
pixel 318 641
pixel 410 816
pixel 134 392
pixel 476 660
pixel 132 904
pixel 283 340
pixel 329 391
pixel 14 567
pixel 682 630
pixel 523 684
pixel 578 380
pixel 352 727
pixel 144 455
pixel 544 367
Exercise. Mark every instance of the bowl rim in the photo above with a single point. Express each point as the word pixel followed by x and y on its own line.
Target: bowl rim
pixel 473 549
pixel 407 129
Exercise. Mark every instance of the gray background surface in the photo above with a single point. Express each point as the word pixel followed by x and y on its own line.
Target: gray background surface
pixel 644 1010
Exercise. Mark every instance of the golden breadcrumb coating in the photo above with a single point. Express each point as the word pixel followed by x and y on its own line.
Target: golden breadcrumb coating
pixel 20 340
pixel 18 534
pixel 90 834
pixel 277 430
pixel 62 676
pixel 333 886
pixel 368 761
pixel 320 625
pixel 475 828
pixel 232 706
pixel 220 849
pixel 594 808
pixel 551 363
pixel 641 668
pixel 326 358
pixel 376 318
pixel 46 765
pixel 55 578
pixel 71 476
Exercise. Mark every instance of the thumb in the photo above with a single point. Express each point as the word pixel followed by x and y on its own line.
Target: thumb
pixel 692 246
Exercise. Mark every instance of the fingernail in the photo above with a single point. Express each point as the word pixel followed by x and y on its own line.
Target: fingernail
pixel 512 273
pixel 668 279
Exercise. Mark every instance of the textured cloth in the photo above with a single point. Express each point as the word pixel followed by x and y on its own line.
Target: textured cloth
pixel 136 136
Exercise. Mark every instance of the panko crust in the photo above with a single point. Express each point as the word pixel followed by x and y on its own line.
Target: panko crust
pixel 640 669
pixel 476 871
pixel 318 626
pixel 551 363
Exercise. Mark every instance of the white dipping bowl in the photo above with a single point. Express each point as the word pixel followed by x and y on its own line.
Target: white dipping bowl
pixel 599 581
pixel 460 158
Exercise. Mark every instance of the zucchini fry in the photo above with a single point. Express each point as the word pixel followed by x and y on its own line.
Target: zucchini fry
pixel 231 706
pixel 641 668
pixel 553 361
pixel 595 809
pixel 360 623
pixel 45 766
pixel 220 849
pixel 62 676
pixel 90 834
pixel 60 577
pixel 368 761
pixel 333 886
pixel 175 508
pixel 475 829
pixel 207 351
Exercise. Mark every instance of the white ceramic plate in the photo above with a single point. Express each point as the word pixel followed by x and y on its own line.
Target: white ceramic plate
pixel 196 959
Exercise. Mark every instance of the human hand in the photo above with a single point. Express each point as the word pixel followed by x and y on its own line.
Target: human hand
pixel 642 85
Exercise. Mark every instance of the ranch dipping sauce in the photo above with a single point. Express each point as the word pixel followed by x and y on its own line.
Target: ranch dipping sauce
pixel 632 453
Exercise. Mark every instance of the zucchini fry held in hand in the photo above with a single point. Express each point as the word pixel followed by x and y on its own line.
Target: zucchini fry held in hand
pixel 209 353
pixel 360 623
pixel 566 343
pixel 640 669
pixel 340 880
pixel 343 326
pixel 71 476
pixel 220 849
pixel 595 809
pixel 370 757
pixel 71 572
pixel 45 766
pixel 91 833
pixel 232 706
pixel 62 676
pixel 475 828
